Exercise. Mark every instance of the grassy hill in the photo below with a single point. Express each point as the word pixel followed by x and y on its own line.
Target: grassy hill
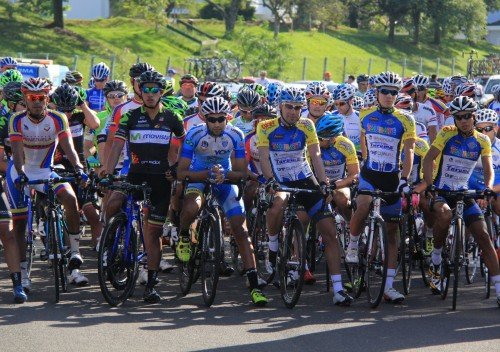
pixel 123 41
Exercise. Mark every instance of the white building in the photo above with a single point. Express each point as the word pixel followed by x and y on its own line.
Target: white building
pixel 493 28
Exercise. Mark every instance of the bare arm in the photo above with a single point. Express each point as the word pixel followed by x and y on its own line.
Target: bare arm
pixel 488 171
pixel 18 155
pixel 114 155
pixel 352 175
pixel 265 163
pixel 408 147
pixel 431 155
pixel 432 132
pixel 239 169
pixel 91 119
pixel 69 150
pixel 364 150
pixel 183 172
pixel 317 162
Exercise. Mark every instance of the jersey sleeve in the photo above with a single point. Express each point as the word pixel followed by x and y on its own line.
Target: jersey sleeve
pixel 15 127
pixel 114 121
pixel 347 148
pixel 123 128
pixel 485 143
pixel 442 137
pixel 61 123
pixel 310 131
pixel 239 143
pixel 188 146
pixel 421 147
pixel 264 129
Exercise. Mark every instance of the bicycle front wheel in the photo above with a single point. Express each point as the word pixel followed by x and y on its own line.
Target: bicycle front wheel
pixel 54 253
pixel 210 258
pixel 376 262
pixel 471 260
pixel 261 248
pixel 458 251
pixel 292 263
pixel 407 248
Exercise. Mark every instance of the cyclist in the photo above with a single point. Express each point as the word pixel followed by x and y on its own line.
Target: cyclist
pixel 422 113
pixel 495 104
pixel 385 133
pixel 344 97
pixel 188 84
pixel 282 144
pixel 7 63
pixel 95 95
pixel 442 112
pixel 358 104
pixel 215 150
pixel 33 134
pixel 205 90
pixel 273 93
pixel 370 98
pixel 73 78
pixel 248 100
pixel 153 134
pixel 457 150
pixel 362 85
pixel 317 96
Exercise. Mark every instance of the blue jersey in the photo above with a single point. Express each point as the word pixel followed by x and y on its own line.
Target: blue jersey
pixel 206 150
pixel 96 99
pixel 476 180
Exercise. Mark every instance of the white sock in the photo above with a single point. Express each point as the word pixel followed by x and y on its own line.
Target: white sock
pixel 390 279
pixel 273 243
pixel 307 266
pixel 353 241
pixel 336 282
pixel 436 256
pixel 74 242
pixel 496 281
pixel 24 265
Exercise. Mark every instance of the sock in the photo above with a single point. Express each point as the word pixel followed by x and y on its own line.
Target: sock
pixel 390 279
pixel 252 278
pixel 16 279
pixel 336 282
pixel 307 266
pixel 436 256
pixel 152 275
pixel 24 265
pixel 353 241
pixel 74 242
pixel 496 281
pixel 273 243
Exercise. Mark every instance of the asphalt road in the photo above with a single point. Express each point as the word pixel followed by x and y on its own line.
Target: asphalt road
pixel 83 321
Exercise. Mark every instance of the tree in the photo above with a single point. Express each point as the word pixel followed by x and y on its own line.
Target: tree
pixel 277 8
pixel 395 10
pixel 416 10
pixel 154 11
pixel 58 13
pixel 229 11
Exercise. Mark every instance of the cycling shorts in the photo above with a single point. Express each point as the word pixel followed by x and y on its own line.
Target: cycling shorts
pixel 226 196
pixel 472 212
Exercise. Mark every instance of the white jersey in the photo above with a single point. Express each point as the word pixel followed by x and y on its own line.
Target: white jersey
pixel 245 126
pixel 426 115
pixel 352 128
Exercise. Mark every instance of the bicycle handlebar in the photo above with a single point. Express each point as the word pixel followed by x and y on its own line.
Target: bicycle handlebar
pixel 378 193
pixel 52 180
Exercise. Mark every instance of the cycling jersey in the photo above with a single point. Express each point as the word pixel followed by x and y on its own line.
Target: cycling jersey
pixel 441 109
pixel 421 131
pixel 149 139
pixel 337 156
pixel 245 126
pixel 77 127
pixel 96 99
pixel 118 112
pixel 192 120
pixel 4 135
pixel 352 128
pixel 425 115
pixel 252 152
pixel 458 157
pixel 192 105
pixel 476 180
pixel 287 147
pixel 385 135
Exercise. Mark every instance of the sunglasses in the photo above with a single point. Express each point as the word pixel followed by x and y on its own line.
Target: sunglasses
pixel 340 103
pixel 219 119
pixel 115 95
pixel 411 91
pixel 247 111
pixel 100 80
pixel 150 90
pixel 36 97
pixel 485 129
pixel 463 117
pixel 320 102
pixel 65 110
pixel 293 107
pixel 388 91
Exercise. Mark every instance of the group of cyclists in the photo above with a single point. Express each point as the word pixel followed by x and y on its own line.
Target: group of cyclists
pixel 389 134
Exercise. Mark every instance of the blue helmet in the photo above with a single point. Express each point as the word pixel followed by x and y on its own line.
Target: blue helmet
pixel 330 125
pixel 8 61
pixel 100 71
pixel 292 95
pixel 273 93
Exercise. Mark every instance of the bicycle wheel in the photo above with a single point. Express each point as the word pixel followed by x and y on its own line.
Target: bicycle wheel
pixel 471 260
pixel 407 248
pixel 30 250
pixel 358 270
pixel 458 249
pixel 54 253
pixel 260 244
pixel 292 263
pixel 186 271
pixel 62 232
pixel 376 262
pixel 210 259
pixel 117 265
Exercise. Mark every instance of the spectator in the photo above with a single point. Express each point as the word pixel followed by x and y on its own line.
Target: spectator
pixel 170 76
pixel 434 83
pixel 352 81
pixel 263 79
pixel 327 76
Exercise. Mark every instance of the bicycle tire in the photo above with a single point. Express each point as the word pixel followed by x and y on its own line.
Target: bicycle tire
pixel 407 250
pixel 376 263
pixel 210 259
pixel 30 252
pixel 471 260
pixel 260 244
pixel 54 253
pixel 487 280
pixel 293 243
pixel 457 250
pixel 358 270
pixel 63 260
pixel 311 249
pixel 117 275
pixel 186 271
pixel 423 260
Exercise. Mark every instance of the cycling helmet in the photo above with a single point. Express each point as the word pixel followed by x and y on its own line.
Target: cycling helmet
pixel 273 93
pixel 73 77
pixel 82 92
pixel 36 85
pixel 358 103
pixel 362 78
pixel 421 81
pixel 248 97
pixel 370 97
pixel 292 95
pixel 189 78
pixel 404 101
pixel 152 77
pixel 65 97
pixel 462 103
pixel 371 80
pixel 210 89
pixel 487 115
pixel 215 105
pixel 91 83
pixel 11 75
pixel 458 80
pixel 439 94
pixel 466 89
pixel 175 104
pixel 259 88
pixel 8 61
pixel 115 86
pixel 265 110
pixel 169 87
pixel 447 86
pixel 330 125
pixel 388 79
pixel 12 92
pixel 317 89
pixel 495 90
pixel 230 97
pixel 344 92
pixel 137 69
pixel 100 71
pixel 408 86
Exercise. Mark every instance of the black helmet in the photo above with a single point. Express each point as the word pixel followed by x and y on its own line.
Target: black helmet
pixel 248 97
pixel 362 78
pixel 137 69
pixel 189 78
pixel 65 97
pixel 265 110
pixel 73 77
pixel 152 77
pixel 12 92
pixel 115 86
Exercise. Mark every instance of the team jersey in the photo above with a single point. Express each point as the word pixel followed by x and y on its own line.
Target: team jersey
pixel 441 109
pixel 205 150
pixel 458 157
pixel 96 99
pixel 420 150
pixel 287 147
pixel 192 120
pixel 192 106
pixel 352 128
pixel 39 137
pixel 245 126
pixel 77 128
pixel 476 180
pixel 149 139
pixel 385 135
pixel 93 134
pixel 118 112
pixel 425 115
pixel 4 134
pixel 252 152
pixel 337 156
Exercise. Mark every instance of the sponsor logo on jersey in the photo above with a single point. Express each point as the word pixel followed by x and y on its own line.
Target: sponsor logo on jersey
pixel 26 127
pixel 391 131
pixel 204 145
pixel 286 146
pixel 46 127
pixel 154 137
pixel 225 143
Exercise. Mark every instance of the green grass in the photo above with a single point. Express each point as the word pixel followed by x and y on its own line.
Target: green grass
pixel 123 41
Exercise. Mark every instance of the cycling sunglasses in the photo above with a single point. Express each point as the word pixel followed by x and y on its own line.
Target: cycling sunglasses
pixel 100 80
pixel 463 117
pixel 340 103
pixel 219 119
pixel 115 95
pixel 293 107
pixel 36 97
pixel 150 90
pixel 320 102
pixel 246 110
pixel 485 129
pixel 385 91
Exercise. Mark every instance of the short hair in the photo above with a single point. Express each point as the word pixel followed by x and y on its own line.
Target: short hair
pixel 351 77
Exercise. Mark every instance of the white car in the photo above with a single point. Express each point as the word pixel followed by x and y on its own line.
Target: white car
pixel 487 96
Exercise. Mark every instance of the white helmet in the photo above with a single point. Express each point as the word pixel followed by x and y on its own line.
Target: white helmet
pixel 487 115
pixel 388 79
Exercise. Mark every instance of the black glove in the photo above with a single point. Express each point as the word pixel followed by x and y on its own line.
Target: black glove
pixel 323 187
pixel 80 175
pixel 173 170
pixel 21 179
pixel 272 184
